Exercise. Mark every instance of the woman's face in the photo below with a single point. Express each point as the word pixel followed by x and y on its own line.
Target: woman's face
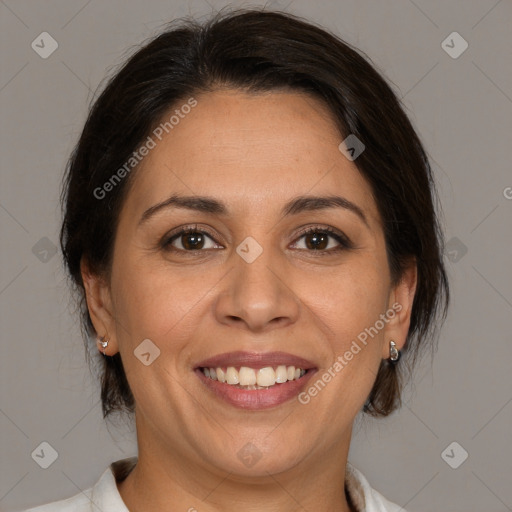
pixel 247 283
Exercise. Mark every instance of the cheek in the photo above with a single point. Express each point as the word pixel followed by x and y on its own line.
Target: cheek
pixel 349 308
pixel 349 299
pixel 348 304
pixel 160 302
pixel 157 303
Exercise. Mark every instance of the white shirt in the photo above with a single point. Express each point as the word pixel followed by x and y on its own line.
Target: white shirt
pixel 105 496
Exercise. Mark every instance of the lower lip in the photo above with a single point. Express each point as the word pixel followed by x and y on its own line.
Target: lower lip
pixel 255 399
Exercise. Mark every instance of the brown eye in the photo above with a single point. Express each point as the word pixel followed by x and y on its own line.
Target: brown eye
pixel 317 239
pixel 192 241
pixel 188 240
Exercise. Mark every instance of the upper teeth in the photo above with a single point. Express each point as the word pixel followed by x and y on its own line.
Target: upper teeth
pixel 246 376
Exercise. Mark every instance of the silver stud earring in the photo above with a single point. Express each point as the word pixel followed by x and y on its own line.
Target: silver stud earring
pixel 104 342
pixel 394 353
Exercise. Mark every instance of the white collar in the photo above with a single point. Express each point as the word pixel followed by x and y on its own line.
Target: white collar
pixel 364 497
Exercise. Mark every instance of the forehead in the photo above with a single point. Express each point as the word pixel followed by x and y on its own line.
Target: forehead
pixel 248 148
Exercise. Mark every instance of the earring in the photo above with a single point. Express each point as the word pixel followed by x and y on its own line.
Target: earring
pixel 104 342
pixel 394 353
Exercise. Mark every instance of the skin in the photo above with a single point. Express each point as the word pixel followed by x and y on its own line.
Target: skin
pixel 254 153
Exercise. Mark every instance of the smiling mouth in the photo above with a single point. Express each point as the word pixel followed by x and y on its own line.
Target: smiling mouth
pixel 248 378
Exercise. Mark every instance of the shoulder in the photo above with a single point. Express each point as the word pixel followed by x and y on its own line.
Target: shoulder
pixel 79 503
pixel 364 497
pixel 103 495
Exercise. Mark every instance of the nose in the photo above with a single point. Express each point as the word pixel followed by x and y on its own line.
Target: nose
pixel 256 294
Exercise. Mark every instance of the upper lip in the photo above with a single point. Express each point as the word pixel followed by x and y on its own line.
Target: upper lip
pixel 255 360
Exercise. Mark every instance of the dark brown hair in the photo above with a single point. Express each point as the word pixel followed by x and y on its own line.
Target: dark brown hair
pixel 257 51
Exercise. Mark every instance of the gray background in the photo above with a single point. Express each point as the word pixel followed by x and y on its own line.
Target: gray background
pixel 462 108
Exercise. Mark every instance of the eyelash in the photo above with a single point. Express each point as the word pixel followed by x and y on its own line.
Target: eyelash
pixel 344 242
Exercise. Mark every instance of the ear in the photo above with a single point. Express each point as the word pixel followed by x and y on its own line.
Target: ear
pixel 99 304
pixel 401 299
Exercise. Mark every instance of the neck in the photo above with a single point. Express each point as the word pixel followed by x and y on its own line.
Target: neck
pixel 175 483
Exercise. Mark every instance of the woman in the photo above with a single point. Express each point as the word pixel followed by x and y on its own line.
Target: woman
pixel 250 222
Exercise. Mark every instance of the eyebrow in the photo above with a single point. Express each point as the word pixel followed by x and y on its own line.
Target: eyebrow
pixel 293 207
